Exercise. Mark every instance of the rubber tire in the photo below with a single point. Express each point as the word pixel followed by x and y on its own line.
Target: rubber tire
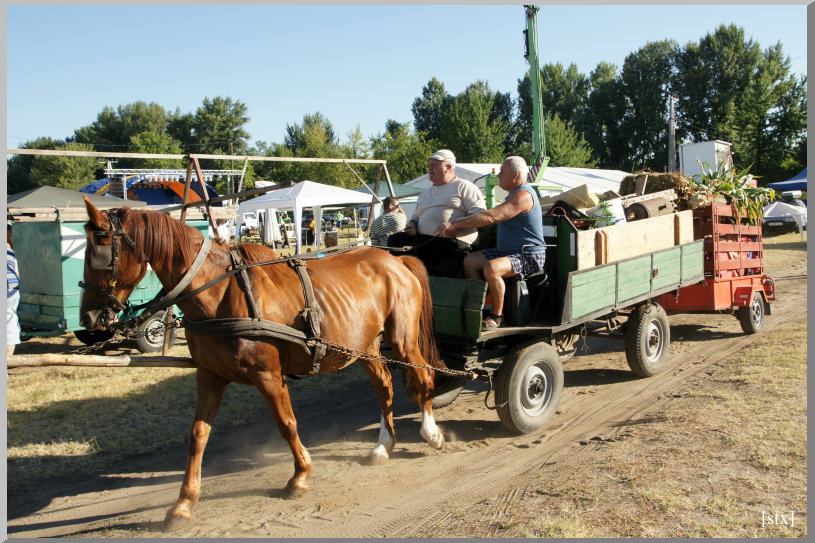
pixel 90 337
pixel 446 389
pixel 530 362
pixel 152 342
pixel 752 316
pixel 647 338
pixel 568 354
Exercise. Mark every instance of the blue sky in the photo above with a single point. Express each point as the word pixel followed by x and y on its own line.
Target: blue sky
pixel 358 65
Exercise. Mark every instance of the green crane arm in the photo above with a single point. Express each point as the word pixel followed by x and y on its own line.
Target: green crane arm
pixel 531 55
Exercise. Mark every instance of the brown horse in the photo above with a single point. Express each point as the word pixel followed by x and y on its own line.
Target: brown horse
pixel 366 295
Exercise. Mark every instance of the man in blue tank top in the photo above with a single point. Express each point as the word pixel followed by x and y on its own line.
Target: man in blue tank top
pixel 520 249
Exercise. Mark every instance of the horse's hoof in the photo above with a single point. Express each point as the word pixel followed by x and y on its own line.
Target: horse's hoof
pixel 436 441
pixel 173 523
pixel 294 493
pixel 376 459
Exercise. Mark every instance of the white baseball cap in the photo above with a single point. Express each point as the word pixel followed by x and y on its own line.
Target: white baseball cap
pixel 445 155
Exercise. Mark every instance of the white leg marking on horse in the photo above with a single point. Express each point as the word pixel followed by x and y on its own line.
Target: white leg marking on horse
pixel 381 452
pixel 431 432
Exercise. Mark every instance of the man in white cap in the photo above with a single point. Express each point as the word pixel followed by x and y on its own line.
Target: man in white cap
pixel 448 199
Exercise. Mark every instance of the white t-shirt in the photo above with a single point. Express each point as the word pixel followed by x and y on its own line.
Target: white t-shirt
pixel 448 202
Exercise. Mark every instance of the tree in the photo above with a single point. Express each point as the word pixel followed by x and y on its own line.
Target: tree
pixel 68 172
pixel 355 146
pixel 730 90
pixel 218 127
pixel 472 127
pixel 565 146
pixel 605 110
pixel 645 79
pixel 713 75
pixel 427 109
pixel 113 128
pixel 405 150
pixel 156 143
pixel 18 167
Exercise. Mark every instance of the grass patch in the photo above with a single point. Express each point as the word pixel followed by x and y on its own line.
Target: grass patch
pixel 81 421
pixel 734 446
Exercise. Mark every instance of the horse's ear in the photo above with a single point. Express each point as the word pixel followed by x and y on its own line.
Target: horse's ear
pixel 96 218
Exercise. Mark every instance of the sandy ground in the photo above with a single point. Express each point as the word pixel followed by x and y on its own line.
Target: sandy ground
pixel 469 488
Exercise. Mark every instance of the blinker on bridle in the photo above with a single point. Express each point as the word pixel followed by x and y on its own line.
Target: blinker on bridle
pixel 106 258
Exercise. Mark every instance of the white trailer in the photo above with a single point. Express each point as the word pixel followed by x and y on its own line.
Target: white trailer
pixel 713 153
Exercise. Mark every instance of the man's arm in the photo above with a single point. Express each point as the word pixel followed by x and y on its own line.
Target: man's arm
pixel 519 202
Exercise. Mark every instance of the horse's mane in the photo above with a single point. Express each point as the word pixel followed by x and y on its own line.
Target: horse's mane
pixel 161 237
pixel 158 235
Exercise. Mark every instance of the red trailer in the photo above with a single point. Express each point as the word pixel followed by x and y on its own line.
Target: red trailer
pixel 735 281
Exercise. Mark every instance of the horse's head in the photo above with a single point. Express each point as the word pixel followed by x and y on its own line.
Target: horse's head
pixel 113 268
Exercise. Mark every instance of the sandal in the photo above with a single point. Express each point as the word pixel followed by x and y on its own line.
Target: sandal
pixel 491 322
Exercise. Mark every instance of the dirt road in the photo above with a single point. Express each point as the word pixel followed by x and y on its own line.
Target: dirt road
pixel 420 492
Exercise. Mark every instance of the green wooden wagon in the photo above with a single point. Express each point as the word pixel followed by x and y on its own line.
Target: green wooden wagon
pixel 526 355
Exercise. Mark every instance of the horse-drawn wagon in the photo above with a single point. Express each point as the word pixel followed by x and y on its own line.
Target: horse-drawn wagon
pixel 708 261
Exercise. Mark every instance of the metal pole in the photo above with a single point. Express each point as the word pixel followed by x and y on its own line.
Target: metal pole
pixel 671 138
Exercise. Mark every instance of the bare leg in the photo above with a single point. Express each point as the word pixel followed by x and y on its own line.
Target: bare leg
pixel 210 392
pixel 274 390
pixel 494 272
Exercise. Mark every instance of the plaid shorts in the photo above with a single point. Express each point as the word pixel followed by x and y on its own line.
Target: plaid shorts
pixel 522 263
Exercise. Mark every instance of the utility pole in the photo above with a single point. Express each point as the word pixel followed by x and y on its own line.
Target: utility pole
pixel 672 137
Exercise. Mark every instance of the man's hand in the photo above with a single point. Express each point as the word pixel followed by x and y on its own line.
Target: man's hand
pixel 446 230
pixel 410 228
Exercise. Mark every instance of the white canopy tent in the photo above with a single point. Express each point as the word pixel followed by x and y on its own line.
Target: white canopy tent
pixel 554 180
pixel 305 194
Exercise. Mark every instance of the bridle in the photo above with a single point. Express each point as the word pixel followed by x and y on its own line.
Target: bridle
pixel 106 258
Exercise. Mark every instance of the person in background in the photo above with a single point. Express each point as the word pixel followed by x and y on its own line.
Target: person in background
pixel 12 295
pixel 520 249
pixel 392 220
pixel 448 199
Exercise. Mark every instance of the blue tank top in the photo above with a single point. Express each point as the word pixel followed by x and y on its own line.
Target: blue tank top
pixel 522 229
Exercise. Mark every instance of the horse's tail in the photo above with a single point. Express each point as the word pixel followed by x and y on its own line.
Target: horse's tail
pixel 427 341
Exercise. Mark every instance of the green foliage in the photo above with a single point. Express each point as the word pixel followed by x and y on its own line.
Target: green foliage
pixel 427 109
pixel 217 128
pixel 565 146
pixel 406 151
pixel 18 167
pixel 157 143
pixel 471 127
pixel 734 186
pixel 67 172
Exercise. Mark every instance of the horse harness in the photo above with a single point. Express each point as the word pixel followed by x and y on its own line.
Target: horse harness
pixel 106 257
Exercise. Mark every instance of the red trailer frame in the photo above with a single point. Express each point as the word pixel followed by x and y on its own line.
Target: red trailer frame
pixel 734 269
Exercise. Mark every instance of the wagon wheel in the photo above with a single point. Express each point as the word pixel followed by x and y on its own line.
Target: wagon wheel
pixel 150 334
pixel 566 344
pixel 752 316
pixel 529 386
pixel 90 337
pixel 647 338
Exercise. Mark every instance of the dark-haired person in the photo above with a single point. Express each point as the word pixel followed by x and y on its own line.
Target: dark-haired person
pixel 392 220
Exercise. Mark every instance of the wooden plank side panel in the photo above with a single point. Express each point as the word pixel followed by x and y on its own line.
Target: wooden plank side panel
pixel 589 291
pixel 666 268
pixel 463 293
pixel 634 277
pixel 627 240
pixel 457 322
pixel 693 261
